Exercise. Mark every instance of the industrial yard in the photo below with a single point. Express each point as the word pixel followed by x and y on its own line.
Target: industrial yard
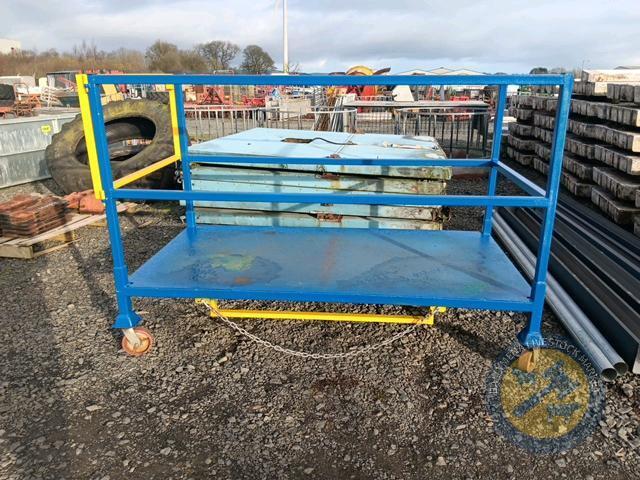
pixel 210 404
pixel 289 245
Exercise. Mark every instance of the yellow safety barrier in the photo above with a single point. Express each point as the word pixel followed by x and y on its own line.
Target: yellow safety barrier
pixel 143 172
pixel 92 151
pixel 427 319
pixel 173 108
pixel 89 135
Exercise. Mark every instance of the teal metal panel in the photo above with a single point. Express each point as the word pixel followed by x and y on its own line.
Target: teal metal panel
pixel 219 216
pixel 385 211
pixel 222 178
pixel 278 178
pixel 436 173
pixel 269 142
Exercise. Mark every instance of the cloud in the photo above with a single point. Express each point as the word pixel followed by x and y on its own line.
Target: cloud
pixel 332 34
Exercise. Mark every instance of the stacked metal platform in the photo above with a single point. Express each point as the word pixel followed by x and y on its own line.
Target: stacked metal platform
pixel 602 150
pixel 283 178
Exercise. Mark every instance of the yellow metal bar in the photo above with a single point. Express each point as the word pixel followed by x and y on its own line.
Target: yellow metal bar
pixel 333 317
pixel 173 108
pixel 427 319
pixel 143 172
pixel 89 135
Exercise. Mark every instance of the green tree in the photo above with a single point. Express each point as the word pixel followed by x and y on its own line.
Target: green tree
pixel 539 71
pixel 256 60
pixel 164 57
pixel 126 60
pixel 218 54
pixel 192 62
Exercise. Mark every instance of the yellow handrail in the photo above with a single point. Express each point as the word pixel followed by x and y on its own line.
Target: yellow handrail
pixel 92 151
pixel 143 172
pixel 175 129
pixel 89 135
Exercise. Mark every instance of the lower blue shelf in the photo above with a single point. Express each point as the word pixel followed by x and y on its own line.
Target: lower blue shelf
pixel 401 267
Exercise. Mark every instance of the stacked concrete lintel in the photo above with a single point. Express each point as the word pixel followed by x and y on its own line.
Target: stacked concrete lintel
pixel 602 152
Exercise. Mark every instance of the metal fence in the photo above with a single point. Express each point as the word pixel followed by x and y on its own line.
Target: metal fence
pixel 457 130
pixel 464 131
pixel 206 122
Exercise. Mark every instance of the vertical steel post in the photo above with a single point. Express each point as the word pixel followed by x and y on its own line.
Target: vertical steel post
pixel 126 318
pixel 190 214
pixel 531 335
pixel 495 157
pixel 89 136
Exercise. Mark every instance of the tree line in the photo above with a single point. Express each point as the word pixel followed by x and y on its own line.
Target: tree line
pixel 162 57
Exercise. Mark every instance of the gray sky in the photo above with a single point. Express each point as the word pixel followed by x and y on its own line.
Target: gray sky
pixel 326 35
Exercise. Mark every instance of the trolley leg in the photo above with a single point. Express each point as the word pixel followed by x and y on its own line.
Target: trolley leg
pixel 127 317
pixel 531 334
pixel 531 338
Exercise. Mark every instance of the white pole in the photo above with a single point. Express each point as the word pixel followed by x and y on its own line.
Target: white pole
pixel 285 38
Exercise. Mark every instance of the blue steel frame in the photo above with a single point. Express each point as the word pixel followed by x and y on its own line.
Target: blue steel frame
pixel 546 198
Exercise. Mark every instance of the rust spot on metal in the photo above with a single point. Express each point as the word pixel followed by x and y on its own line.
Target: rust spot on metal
pixel 330 259
pixel 329 217
pixel 330 176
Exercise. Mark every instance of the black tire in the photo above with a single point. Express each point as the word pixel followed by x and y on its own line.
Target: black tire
pixel 66 157
pixel 158 96
pixel 7 93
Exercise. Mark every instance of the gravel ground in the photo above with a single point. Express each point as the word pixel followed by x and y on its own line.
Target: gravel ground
pixel 210 404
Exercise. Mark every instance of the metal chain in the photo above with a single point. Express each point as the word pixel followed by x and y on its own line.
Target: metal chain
pixel 303 354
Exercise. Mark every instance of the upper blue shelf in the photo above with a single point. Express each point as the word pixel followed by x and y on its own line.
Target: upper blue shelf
pixel 402 267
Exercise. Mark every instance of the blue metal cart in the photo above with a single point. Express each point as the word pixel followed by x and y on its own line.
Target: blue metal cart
pixel 370 266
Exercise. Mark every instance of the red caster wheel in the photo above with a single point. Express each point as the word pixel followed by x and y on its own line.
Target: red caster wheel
pixel 137 341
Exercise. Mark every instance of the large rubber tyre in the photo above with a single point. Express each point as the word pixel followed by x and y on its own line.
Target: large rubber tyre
pixel 7 93
pixel 66 157
pixel 158 96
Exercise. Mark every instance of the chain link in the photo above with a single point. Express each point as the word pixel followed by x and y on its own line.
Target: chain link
pixel 300 353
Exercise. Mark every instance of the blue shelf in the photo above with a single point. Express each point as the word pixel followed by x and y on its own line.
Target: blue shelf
pixel 349 265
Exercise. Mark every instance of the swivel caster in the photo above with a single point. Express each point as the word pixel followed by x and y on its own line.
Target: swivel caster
pixel 527 361
pixel 137 341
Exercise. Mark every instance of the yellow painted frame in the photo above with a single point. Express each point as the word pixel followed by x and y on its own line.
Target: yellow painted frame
pixel 92 151
pixel 90 138
pixel 175 131
pixel 427 319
